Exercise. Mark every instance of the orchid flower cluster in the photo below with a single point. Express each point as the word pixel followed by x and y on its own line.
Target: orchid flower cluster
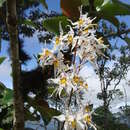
pixel 83 45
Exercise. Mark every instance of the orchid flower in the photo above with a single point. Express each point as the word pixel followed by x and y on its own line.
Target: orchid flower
pixel 77 120
pixel 46 57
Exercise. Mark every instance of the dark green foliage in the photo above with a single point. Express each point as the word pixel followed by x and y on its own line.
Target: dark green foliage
pixel 98 117
pixel 52 24
pixel 36 81
pixel 2 59
pixel 43 108
pixel 6 107
pixel 23 56
pixel 113 122
pixel 38 103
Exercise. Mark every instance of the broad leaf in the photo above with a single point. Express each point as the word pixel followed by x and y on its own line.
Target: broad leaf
pixel 52 24
pixel 114 8
pixel 98 3
pixel 85 2
pixel 2 59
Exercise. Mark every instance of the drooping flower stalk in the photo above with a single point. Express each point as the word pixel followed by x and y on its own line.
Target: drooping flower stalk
pixel 84 47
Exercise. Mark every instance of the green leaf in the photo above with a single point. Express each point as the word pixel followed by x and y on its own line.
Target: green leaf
pixel 98 3
pixel 2 87
pixel 85 2
pixel 2 2
pixel 44 3
pixel 30 116
pixel 52 24
pixel 2 59
pixel 114 8
pixel 7 98
pixel 1 129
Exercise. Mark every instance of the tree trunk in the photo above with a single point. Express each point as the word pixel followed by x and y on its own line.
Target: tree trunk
pixel 105 115
pixel 13 36
pixel 105 105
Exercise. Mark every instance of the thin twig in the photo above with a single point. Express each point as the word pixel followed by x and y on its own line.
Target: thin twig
pixel 117 33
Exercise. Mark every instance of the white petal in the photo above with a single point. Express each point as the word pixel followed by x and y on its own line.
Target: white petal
pixel 80 125
pixel 60 118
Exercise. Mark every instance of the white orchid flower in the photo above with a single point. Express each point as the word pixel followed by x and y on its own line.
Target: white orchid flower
pixel 71 121
pixel 83 22
pixel 64 83
pixel 58 40
pixel 47 57
pixel 76 120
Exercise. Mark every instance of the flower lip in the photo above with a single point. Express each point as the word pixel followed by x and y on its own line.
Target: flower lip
pixel 57 41
pixel 76 79
pixel 63 81
pixel 87 118
pixel 73 123
pixel 70 38
pixel 81 22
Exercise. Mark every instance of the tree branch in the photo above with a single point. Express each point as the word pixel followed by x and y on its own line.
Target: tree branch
pixel 119 33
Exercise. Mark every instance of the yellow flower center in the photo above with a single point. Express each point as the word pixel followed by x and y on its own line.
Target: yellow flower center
pixel 87 109
pixel 70 38
pixel 56 63
pixel 87 119
pixel 81 83
pixel 47 52
pixel 41 57
pixel 73 124
pixel 76 79
pixel 57 40
pixel 81 21
pixel 63 81
pixel 86 86
pixel 86 30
